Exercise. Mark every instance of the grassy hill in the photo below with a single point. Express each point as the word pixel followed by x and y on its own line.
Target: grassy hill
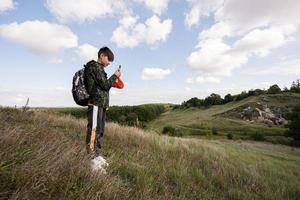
pixel 42 156
pixel 200 122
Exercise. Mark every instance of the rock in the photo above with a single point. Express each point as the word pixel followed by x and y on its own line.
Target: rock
pixel 265 99
pixel 281 121
pixel 268 110
pixel 268 122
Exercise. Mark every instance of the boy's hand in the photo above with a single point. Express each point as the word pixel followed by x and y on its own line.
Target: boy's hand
pixel 118 73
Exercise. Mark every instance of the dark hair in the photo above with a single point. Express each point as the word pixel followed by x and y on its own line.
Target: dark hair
pixel 107 52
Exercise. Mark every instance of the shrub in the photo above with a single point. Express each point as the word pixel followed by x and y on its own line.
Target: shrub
pixel 294 124
pixel 229 136
pixel 274 89
pixel 171 131
pixel 228 98
pixel 168 130
pixel 214 131
pixel 128 115
pixel 258 136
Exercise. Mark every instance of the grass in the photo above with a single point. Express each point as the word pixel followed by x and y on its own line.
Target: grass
pixel 225 119
pixel 200 122
pixel 43 157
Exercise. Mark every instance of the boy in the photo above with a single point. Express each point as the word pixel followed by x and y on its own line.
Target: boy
pixel 98 87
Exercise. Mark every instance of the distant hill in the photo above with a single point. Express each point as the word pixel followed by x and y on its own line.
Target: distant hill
pixel 263 114
pixel 42 156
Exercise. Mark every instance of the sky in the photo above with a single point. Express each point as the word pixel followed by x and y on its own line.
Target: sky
pixel 170 50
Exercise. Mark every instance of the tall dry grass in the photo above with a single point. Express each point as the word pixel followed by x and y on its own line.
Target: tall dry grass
pixel 43 157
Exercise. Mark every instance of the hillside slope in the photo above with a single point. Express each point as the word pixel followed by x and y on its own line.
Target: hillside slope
pixel 225 118
pixel 42 156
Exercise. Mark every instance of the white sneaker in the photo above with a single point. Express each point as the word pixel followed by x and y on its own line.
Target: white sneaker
pixel 99 163
pixel 101 160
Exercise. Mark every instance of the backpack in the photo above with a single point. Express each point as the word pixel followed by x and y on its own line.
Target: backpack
pixel 80 94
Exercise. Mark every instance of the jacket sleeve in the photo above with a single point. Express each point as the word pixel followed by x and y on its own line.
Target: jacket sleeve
pixel 101 80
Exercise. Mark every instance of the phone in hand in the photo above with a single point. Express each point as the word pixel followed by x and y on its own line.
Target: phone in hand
pixel 119 67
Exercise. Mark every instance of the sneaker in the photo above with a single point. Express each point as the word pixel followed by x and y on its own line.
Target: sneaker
pixel 98 164
pixel 101 160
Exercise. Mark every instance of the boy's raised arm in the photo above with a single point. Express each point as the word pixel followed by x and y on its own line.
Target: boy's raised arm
pixel 101 79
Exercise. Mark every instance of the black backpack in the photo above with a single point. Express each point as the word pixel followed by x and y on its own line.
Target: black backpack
pixel 80 94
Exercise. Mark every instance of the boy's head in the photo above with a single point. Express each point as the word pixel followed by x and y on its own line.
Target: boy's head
pixel 105 56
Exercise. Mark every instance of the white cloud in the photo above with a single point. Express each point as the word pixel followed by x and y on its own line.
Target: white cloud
pixel 257 13
pixel 286 68
pixel 6 5
pixel 187 89
pixel 55 97
pixel 157 6
pixel 60 88
pixel 82 10
pixel 268 26
pixel 55 61
pixel 87 52
pixel 209 79
pixel 245 15
pixel 199 9
pixel 217 31
pixel 203 79
pixel 130 33
pixel 214 56
pixel 40 37
pixel 261 41
pixel 155 73
pixel 189 80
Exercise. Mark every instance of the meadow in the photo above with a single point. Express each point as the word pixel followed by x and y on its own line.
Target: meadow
pixel 43 157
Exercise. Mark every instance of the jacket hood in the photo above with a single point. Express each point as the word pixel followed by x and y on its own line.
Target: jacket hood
pixel 92 62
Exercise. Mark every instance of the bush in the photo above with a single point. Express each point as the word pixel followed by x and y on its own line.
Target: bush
pixel 214 131
pixel 274 89
pixel 294 124
pixel 174 107
pixel 129 115
pixel 258 136
pixel 229 136
pixel 171 131
pixel 168 130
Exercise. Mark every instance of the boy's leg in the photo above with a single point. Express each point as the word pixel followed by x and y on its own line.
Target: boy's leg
pixel 91 129
pixel 100 130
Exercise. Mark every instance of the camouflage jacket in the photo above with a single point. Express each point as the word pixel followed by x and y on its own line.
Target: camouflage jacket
pixel 97 84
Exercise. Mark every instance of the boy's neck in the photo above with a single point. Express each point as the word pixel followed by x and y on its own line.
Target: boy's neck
pixel 99 62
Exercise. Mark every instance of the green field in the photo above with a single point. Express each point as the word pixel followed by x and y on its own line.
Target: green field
pixel 42 156
pixel 199 122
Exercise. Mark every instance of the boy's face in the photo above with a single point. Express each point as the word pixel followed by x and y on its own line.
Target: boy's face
pixel 104 60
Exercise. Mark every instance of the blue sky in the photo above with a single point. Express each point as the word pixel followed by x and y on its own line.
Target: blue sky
pixel 170 50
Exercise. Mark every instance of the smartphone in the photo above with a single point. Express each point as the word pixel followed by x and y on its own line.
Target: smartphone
pixel 119 67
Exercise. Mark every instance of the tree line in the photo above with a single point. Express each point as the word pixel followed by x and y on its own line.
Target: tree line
pixel 134 115
pixel 216 99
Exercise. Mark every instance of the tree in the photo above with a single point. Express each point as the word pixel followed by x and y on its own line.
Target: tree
pixel 213 99
pixel 295 87
pixel 193 102
pixel 228 98
pixel 251 93
pixel 274 89
pixel 241 96
pixel 258 92
pixel 294 124
pixel 285 89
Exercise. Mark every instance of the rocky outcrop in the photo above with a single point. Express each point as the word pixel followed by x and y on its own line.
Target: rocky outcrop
pixel 261 113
